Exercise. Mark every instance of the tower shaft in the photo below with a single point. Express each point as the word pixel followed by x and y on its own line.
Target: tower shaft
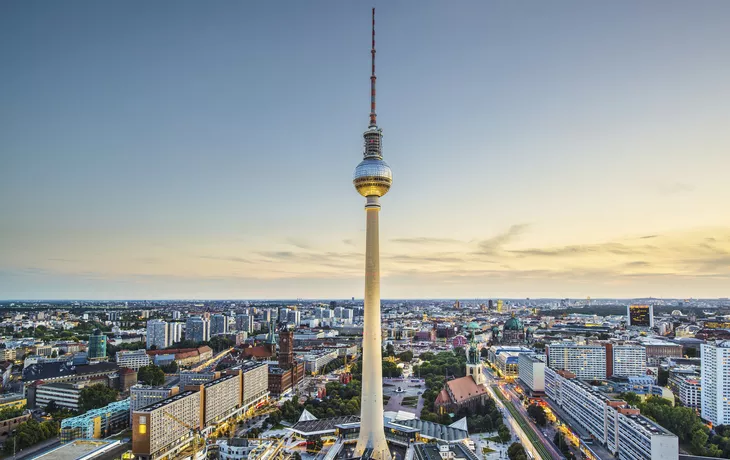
pixel 372 434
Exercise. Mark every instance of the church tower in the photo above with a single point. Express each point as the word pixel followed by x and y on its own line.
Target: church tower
pixel 474 366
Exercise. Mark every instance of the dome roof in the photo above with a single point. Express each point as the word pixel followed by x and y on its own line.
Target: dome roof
pixel 473 325
pixel 513 324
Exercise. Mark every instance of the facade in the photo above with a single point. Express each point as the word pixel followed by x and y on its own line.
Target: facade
pixel 218 324
pixel 97 345
pixel 97 423
pixel 197 329
pixel 244 323
pixel 161 430
pixel 254 381
pixel 145 395
pixel 629 360
pixel 65 395
pixel 127 378
pixel 689 391
pixel 617 426
pixel 316 359
pixel 513 332
pixel 7 354
pixel 531 372
pixel 715 378
pixel 585 361
pixel 174 332
pixel 133 359
pixel 158 334
pixel 640 316
pixel 222 397
pixel 657 351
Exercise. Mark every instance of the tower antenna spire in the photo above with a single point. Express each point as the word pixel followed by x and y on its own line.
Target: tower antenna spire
pixel 373 115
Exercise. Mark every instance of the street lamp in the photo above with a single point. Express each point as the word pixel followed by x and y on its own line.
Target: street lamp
pixel 13 435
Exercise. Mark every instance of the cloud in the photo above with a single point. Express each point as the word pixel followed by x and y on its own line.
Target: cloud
pixel 583 249
pixel 494 245
pixel 298 243
pixel 348 242
pixel 228 259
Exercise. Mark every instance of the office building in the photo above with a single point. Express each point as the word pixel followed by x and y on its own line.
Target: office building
pixel 531 371
pixel 628 361
pixel 97 345
pixel 65 395
pixel 244 323
pixel 133 359
pixel 144 395
pixel 176 315
pixel 158 334
pixel 585 361
pixel 715 377
pixel 218 324
pixel 294 317
pixel 640 316
pixel 658 350
pixel 316 359
pixel 97 423
pixel 197 329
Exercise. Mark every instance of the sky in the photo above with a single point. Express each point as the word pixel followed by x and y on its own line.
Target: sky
pixel 179 149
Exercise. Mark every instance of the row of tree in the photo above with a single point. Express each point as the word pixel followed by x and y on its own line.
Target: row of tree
pixel 28 434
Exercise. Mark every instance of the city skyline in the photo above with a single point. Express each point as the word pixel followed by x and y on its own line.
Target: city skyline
pixel 562 150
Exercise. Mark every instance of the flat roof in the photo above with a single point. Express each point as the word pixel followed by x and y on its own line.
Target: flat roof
pixel 80 448
pixel 167 401
pixel 217 381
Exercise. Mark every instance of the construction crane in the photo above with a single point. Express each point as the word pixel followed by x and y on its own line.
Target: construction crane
pixel 195 432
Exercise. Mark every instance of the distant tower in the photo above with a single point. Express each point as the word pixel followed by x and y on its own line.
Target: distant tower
pixel 372 179
pixel 286 347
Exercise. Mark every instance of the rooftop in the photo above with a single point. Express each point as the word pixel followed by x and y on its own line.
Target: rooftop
pixel 166 402
pixel 79 449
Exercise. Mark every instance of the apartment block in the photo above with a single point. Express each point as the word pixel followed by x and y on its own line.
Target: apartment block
pixel 145 395
pixel 531 372
pixel 65 395
pixel 715 377
pixel 133 359
pixel 163 429
pixel 585 361
pixel 629 361
pixel 613 423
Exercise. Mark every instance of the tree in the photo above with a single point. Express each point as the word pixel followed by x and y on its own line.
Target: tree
pixel 537 413
pixel 516 452
pixel 171 368
pixel 96 396
pixel 406 356
pixel 504 433
pixel 663 377
pixel 391 369
pixel 389 350
pixel 691 352
pixel 52 407
pixel 151 375
pixel 631 398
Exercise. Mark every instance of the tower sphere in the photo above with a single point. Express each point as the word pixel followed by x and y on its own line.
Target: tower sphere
pixel 372 177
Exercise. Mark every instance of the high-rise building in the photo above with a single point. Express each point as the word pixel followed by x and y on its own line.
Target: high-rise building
pixel 294 317
pixel 197 329
pixel 174 333
pixel 176 315
pixel 158 334
pixel 640 315
pixel 715 377
pixel 244 323
pixel 532 372
pixel 585 361
pixel 97 345
pixel 372 179
pixel 628 361
pixel 218 324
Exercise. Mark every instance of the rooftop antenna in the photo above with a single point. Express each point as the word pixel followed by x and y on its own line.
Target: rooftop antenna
pixel 373 115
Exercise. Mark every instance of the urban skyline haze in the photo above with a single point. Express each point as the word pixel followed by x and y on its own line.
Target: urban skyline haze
pixel 189 150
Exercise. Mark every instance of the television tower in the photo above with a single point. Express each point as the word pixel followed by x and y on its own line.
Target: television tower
pixel 372 179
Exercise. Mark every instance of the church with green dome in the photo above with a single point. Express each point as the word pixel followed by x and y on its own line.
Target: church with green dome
pixel 513 332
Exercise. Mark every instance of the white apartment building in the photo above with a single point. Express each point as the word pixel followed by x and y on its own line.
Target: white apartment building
pixel 255 381
pixel 620 428
pixel 133 359
pixel 222 396
pixel 689 391
pixel 143 395
pixel 629 360
pixel 155 433
pixel 316 359
pixel 531 372
pixel 174 332
pixel 715 378
pixel 157 334
pixel 585 361
pixel 65 395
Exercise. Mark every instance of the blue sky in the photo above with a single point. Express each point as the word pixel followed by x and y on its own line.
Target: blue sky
pixel 188 149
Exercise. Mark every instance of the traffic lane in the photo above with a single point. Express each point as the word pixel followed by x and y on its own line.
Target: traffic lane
pixel 546 442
